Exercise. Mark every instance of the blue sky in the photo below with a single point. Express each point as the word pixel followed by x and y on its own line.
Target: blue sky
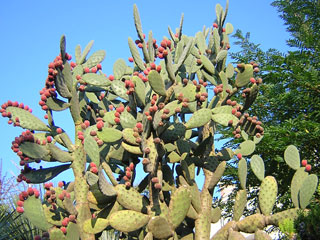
pixel 31 31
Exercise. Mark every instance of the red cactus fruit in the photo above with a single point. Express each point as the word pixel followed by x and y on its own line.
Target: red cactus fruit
pixel 308 168
pixel 59 130
pixel 20 209
pixel 304 163
pixel 155 180
pixel 130 59
pixel 72 218
pixel 131 166
pixel 92 164
pixel 111 77
pixel 86 70
pixel 128 184
pixel 93 133
pixel 64 230
pixel 117 120
pixel 94 170
pixel 61 196
pixel 60 184
pixel 158 186
pixel 239 156
pixel 37 237
pixel 93 70
pixel 36 193
pixel 20 203
pixel 145 161
pixel 215 25
pixel 65 222
pixel 128 174
pixel 30 191
pixel 100 125
pixel 99 66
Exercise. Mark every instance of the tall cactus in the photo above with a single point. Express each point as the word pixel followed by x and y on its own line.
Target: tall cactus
pixel 158 111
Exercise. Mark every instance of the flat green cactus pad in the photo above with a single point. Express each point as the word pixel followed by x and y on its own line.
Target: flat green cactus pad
pixel 26 119
pixel 156 82
pixel 159 227
pixel 34 212
pixel 257 166
pixel 252 223
pixel 34 150
pixel 239 204
pixel 130 198
pixel 246 148
pixel 307 190
pixel 57 234
pixel 119 68
pixel 268 194
pixel 179 206
pixel 243 77
pixel 199 118
pixel 242 172
pixel 296 182
pixel 128 220
pixel 94 59
pixel 45 174
pixel 292 157
pixel 109 134
pixel 95 226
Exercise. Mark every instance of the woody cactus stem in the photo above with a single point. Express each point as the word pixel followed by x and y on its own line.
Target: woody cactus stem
pixel 158 111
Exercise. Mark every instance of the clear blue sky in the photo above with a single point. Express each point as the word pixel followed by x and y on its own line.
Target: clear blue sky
pixel 31 30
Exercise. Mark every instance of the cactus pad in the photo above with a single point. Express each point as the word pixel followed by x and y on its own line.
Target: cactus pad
pixel 130 198
pixel 257 166
pixel 128 220
pixel 179 206
pixel 159 227
pixel 307 190
pixel 26 119
pixel 252 223
pixel 199 118
pixel 109 134
pixel 33 211
pixel 268 194
pixel 296 182
pixel 239 204
pixel 292 157
pixel 242 172
pixel 95 226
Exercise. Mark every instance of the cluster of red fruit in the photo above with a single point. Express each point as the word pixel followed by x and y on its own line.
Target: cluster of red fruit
pixel 65 222
pixel 136 132
pixel 305 164
pixel 49 88
pixel 128 175
pixel 157 184
pixel 93 133
pixel 27 136
pixel 5 113
pixel 93 168
pixel 24 195
pixel 249 123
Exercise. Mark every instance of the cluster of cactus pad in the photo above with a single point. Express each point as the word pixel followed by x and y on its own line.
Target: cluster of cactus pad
pixel 162 112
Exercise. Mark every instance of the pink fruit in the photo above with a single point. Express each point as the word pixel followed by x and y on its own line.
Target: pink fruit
pixel 111 77
pixel 64 230
pixel 304 163
pixel 86 70
pixel 308 168
pixel 20 210
pixel 239 156
pixel 59 130
pixel 94 170
pixel 20 203
pixel 130 59
pixel 215 25
pixel 30 191
pixel 60 184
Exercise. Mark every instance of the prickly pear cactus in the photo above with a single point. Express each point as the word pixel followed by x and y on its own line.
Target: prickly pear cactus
pixel 161 110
